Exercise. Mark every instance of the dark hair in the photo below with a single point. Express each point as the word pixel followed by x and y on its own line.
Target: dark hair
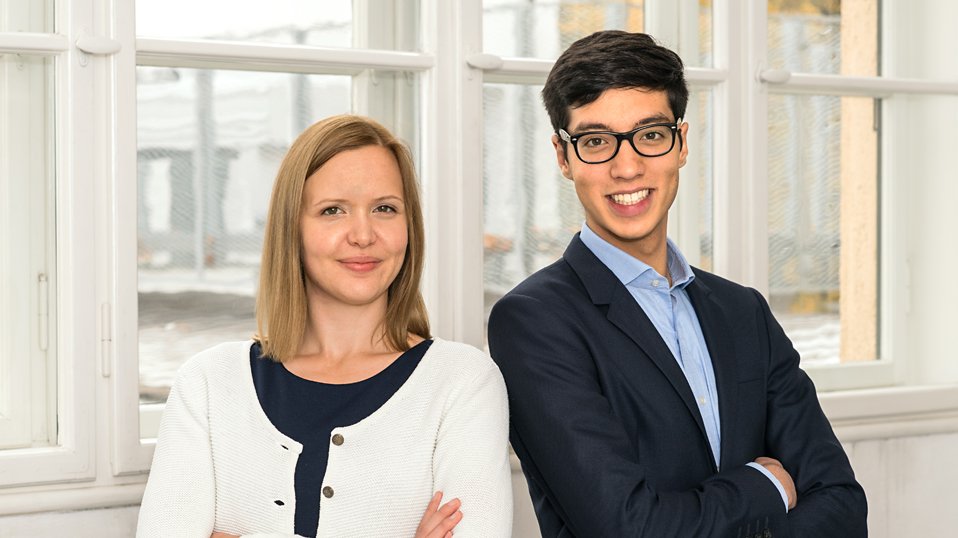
pixel 612 59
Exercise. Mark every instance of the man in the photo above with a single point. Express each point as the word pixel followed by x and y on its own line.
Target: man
pixel 648 398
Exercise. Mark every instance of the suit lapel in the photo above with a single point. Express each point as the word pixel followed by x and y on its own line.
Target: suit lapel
pixel 605 289
pixel 721 347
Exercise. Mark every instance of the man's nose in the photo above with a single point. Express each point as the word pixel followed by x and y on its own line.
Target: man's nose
pixel 627 163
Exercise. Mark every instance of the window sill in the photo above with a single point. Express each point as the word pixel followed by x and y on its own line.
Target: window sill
pixel 889 412
pixel 856 415
pixel 69 497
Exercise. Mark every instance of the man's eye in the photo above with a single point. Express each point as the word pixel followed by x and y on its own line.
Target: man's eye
pixel 594 141
pixel 332 211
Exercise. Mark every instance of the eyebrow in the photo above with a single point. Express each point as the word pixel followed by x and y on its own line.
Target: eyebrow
pixel 381 199
pixel 596 126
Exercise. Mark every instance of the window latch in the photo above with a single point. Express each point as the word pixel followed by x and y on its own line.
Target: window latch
pixel 775 76
pixel 98 46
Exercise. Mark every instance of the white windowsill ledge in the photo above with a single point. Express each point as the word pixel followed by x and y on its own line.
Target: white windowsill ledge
pixel 856 415
pixel 884 413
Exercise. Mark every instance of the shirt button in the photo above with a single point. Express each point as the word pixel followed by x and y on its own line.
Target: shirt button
pixel 328 492
pixel 702 400
pixel 655 283
pixel 338 439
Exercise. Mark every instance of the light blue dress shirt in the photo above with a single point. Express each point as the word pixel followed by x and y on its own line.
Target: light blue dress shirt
pixel 671 312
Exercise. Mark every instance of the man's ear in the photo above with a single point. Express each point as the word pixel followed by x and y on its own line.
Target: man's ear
pixel 684 140
pixel 561 157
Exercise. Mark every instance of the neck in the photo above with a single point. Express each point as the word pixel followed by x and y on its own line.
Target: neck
pixel 335 331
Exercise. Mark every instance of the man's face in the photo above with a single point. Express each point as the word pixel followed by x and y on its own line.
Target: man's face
pixel 626 199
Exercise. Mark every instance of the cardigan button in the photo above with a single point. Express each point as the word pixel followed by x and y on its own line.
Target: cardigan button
pixel 328 492
pixel 338 439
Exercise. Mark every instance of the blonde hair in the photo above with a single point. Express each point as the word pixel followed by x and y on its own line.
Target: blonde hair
pixel 281 305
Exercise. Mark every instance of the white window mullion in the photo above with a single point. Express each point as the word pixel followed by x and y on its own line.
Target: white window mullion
pixel 119 298
pixel 452 170
pixel 741 151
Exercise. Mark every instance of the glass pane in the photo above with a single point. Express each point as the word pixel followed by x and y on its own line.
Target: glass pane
pixel 393 24
pixel 209 144
pixel 690 223
pixel 703 36
pixel 26 16
pixel 824 36
pixel 545 29
pixel 530 210
pixel 27 253
pixel 823 224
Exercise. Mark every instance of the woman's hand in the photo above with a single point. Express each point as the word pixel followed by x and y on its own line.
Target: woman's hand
pixel 438 522
pixel 223 535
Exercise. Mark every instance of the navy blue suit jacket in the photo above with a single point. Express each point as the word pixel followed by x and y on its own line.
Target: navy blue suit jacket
pixel 611 440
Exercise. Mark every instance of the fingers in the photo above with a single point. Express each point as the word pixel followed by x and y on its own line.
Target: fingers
pixel 784 478
pixel 438 521
pixel 434 503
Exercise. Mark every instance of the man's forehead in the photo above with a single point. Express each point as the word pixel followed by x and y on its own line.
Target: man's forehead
pixel 622 108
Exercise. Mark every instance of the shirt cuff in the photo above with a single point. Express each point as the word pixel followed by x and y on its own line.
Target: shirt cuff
pixel 770 476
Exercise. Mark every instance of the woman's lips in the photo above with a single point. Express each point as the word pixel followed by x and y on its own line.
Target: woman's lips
pixel 360 264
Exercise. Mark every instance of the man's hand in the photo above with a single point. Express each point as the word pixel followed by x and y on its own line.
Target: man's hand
pixel 438 522
pixel 775 467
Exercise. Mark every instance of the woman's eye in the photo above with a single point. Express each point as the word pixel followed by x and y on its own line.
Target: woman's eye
pixel 332 211
pixel 384 209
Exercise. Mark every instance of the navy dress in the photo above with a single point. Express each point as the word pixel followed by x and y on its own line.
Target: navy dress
pixel 307 411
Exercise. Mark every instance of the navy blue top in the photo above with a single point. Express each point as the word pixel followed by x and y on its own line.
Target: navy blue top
pixel 307 411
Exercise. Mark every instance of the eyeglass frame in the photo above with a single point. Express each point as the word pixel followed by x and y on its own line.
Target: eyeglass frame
pixel 620 137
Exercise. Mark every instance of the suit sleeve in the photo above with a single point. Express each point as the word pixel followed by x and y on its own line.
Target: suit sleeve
pixel 472 455
pixel 575 449
pixel 831 503
pixel 179 497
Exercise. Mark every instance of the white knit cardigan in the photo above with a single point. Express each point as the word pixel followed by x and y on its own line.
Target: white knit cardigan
pixel 221 464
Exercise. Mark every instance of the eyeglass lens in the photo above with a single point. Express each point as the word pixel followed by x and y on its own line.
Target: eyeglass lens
pixel 651 141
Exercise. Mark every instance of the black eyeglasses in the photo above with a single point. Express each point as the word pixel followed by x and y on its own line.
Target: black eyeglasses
pixel 597 147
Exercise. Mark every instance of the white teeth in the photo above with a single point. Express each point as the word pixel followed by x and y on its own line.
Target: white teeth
pixel 630 198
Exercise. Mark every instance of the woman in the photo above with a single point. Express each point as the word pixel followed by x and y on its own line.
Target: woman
pixel 342 417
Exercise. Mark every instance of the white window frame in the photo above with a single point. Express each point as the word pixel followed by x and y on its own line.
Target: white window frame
pixel 101 457
pixel 72 457
pixel 740 83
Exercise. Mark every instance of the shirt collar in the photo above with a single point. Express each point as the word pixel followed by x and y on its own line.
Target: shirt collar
pixel 627 268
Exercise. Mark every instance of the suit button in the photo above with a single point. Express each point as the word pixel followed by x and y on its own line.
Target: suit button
pixel 338 439
pixel 327 492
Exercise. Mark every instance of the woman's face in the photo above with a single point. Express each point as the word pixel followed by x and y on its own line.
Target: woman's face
pixel 353 226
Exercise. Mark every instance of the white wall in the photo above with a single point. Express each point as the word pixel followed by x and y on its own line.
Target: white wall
pixel 910 489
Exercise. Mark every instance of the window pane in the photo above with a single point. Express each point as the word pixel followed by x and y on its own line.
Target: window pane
pixel 27 253
pixel 209 145
pixel 388 24
pixel 26 16
pixel 545 29
pixel 530 210
pixel 690 222
pixel 824 36
pixel 702 33
pixel 823 224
